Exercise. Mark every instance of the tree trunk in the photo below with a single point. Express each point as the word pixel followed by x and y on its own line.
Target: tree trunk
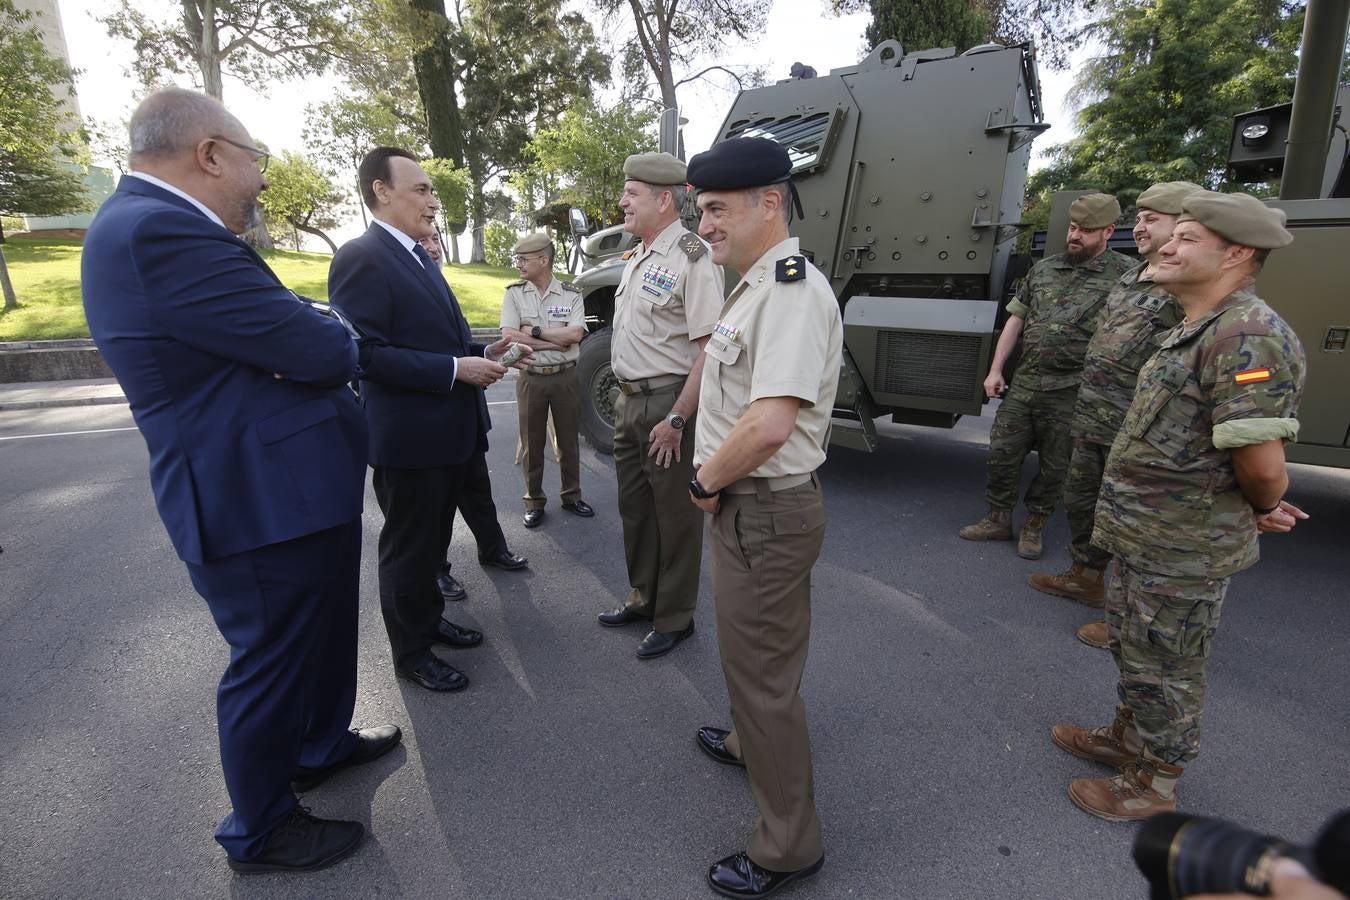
pixel 454 246
pixel 208 48
pixel 309 229
pixel 477 207
pixel 7 286
pixel 435 69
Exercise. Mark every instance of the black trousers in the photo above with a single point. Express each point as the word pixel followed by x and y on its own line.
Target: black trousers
pixel 418 507
pixel 475 504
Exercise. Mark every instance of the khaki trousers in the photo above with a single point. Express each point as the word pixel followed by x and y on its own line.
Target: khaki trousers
pixel 662 528
pixel 536 396
pixel 763 547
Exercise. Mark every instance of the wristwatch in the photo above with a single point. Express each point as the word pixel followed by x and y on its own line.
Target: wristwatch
pixel 676 421
pixel 1265 511
pixel 698 491
pixel 535 331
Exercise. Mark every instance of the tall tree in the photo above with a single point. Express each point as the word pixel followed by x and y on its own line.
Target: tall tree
pixel 342 131
pixel 38 175
pixel 673 36
pixel 257 41
pixel 301 197
pixel 451 184
pixel 1158 102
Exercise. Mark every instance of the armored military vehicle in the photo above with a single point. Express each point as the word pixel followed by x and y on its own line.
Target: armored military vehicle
pixel 911 169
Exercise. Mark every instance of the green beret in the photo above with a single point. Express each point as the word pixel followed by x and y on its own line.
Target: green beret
pixel 1092 211
pixel 654 168
pixel 532 243
pixel 1239 218
pixel 1166 196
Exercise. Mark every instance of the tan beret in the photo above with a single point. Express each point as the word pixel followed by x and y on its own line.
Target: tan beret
pixel 1239 218
pixel 1092 211
pixel 1166 196
pixel 654 168
pixel 532 243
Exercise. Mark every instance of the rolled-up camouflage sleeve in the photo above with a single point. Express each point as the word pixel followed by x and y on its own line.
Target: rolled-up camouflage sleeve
pixel 1255 383
pixel 1020 305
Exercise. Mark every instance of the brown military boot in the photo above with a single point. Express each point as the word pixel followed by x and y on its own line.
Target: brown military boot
pixel 1029 540
pixel 1142 789
pixel 1094 635
pixel 995 526
pixel 1078 583
pixel 1115 745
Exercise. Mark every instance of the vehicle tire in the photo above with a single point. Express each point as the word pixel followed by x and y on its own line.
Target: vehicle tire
pixel 599 391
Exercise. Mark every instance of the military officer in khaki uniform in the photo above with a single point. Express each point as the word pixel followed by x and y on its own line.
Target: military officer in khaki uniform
pixel 547 315
pixel 1137 313
pixel 764 419
pixel 1195 473
pixel 664 310
pixel 1059 303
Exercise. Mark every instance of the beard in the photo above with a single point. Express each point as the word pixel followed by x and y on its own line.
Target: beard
pixel 251 216
pixel 1079 256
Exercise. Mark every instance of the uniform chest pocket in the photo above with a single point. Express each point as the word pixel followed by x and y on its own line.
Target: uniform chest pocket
pixel 1169 413
pixel 1126 345
pixel 1064 344
pixel 652 303
pixel 724 385
pixel 724 351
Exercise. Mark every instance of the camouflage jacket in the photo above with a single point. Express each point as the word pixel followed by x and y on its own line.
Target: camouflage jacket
pixel 1136 315
pixel 1170 503
pixel 1061 304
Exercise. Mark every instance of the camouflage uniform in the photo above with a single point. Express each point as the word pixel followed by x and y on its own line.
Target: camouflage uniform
pixel 1061 304
pixel 1171 509
pixel 1137 313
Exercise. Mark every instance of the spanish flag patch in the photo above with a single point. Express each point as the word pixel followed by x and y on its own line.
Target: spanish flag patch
pixel 1250 376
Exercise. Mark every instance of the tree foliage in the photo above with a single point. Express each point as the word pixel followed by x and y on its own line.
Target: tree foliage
pixel 579 161
pixel 38 143
pixel 1157 104
pixel 257 41
pixel 498 239
pixel 301 197
pixel 451 184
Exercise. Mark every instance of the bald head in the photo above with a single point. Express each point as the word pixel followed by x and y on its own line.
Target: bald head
pixel 173 120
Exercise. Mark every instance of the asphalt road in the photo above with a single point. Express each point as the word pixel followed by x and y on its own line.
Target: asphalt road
pixel 568 769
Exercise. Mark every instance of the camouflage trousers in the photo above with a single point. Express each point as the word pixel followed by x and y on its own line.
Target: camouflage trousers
pixel 1026 421
pixel 1081 487
pixel 1160 628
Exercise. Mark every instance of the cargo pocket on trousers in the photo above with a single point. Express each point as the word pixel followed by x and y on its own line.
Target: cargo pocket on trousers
pixel 799 521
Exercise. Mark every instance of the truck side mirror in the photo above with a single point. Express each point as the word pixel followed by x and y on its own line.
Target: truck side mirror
pixel 581 226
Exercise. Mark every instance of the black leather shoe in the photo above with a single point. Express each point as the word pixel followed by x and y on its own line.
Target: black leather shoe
pixel 533 518
pixel 621 616
pixel 435 675
pixel 738 876
pixel 580 508
pixel 658 643
pixel 449 586
pixel 371 743
pixel 303 843
pixel 452 635
pixel 504 559
pixel 713 741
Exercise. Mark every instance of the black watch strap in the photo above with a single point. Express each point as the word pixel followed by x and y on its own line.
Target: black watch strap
pixel 700 492
pixel 1266 510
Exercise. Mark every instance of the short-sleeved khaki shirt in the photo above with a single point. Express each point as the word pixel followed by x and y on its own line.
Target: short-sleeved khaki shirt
pixel 559 306
pixel 775 338
pixel 1170 501
pixel 668 298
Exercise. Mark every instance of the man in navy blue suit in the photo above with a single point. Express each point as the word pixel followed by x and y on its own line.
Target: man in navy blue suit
pixel 422 380
pixel 257 463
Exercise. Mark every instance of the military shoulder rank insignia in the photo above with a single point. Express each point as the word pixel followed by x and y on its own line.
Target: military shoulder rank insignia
pixel 569 286
pixel 793 268
pixel 691 245
pixel 628 254
pixel 520 283
pixel 1251 376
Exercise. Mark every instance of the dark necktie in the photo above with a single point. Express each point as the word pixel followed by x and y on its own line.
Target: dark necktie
pixel 425 259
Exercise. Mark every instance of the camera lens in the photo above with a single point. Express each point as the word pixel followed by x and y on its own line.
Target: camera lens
pixel 1184 855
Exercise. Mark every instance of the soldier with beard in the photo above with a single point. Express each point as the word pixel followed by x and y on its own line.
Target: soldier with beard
pixel 1055 312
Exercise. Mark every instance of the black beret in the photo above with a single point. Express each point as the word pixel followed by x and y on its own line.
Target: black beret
pixel 740 163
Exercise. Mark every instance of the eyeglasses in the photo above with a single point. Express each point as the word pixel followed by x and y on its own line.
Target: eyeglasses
pixel 521 260
pixel 262 157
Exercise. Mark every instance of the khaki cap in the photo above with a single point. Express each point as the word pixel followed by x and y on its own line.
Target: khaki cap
pixel 532 243
pixel 1239 218
pixel 1092 211
pixel 654 168
pixel 1166 196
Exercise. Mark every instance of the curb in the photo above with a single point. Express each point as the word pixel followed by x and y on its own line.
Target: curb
pixel 8 405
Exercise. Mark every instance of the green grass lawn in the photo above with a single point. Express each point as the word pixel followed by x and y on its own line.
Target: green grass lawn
pixel 46 275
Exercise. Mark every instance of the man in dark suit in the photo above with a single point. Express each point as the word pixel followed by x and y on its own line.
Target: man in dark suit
pixel 475 501
pixel 257 462
pixel 422 388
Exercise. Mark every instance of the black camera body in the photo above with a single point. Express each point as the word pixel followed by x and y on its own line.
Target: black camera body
pixel 1186 855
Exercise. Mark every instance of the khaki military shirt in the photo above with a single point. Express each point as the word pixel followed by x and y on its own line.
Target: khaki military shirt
pixel 559 306
pixel 668 298
pixel 779 335
pixel 1170 502
pixel 1137 315
pixel 1061 304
